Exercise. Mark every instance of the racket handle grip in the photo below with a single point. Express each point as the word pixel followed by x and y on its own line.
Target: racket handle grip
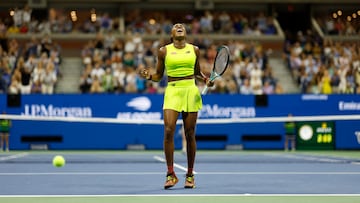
pixel 204 91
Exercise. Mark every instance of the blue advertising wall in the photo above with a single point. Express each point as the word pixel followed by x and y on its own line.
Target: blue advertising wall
pixel 89 135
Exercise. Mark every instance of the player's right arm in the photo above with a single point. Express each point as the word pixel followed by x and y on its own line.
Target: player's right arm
pixel 160 67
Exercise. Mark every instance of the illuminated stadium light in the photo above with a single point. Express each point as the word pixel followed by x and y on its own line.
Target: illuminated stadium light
pixel 339 12
pixel 73 16
pixel 93 15
pixel 152 21
pixel 12 12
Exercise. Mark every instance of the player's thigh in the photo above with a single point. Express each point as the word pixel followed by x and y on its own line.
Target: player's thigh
pixel 189 119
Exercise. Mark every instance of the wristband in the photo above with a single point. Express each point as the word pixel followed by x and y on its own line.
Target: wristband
pixel 205 80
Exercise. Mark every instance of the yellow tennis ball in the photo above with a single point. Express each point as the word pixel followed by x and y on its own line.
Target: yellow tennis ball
pixel 58 161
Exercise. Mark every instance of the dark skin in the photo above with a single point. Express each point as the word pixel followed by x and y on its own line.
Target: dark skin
pixel 178 34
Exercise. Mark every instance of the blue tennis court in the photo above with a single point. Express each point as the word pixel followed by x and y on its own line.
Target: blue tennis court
pixel 142 173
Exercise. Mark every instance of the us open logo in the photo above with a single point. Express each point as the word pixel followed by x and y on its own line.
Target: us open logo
pixel 140 106
pixel 140 103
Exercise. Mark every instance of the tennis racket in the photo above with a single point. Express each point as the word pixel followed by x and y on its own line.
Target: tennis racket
pixel 220 64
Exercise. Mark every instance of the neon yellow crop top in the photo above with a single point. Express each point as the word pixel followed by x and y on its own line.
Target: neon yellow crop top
pixel 180 62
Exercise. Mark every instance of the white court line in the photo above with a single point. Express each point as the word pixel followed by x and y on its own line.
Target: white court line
pixel 201 173
pixel 158 158
pixel 283 173
pixel 79 173
pixel 189 195
pixel 15 156
pixel 311 158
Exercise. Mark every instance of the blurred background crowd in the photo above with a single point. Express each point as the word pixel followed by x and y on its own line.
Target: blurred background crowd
pixel 116 47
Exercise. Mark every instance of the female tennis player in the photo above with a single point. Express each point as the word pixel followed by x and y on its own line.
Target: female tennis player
pixel 182 96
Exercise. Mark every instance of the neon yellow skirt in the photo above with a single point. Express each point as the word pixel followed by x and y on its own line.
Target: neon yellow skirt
pixel 182 95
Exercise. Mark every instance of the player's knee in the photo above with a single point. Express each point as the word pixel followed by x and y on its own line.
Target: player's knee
pixel 169 133
pixel 189 133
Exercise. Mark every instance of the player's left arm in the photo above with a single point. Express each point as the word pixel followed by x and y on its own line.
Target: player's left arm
pixel 198 74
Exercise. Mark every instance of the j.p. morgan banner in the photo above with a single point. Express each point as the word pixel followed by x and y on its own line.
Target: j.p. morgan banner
pixel 149 107
pixel 134 106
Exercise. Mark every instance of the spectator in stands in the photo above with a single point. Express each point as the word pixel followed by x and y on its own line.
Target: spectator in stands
pixel 119 76
pixel 211 53
pixel 220 87
pixel 36 87
pixel 150 88
pixel 226 24
pixel 55 59
pixel 98 71
pixel 46 44
pixel 140 82
pixel 325 83
pixel 245 87
pixel 44 27
pixel 268 88
pixel 32 62
pixel 268 76
pixel 206 22
pixel 88 27
pixel 48 79
pixel 237 66
pixel 38 71
pixel 85 81
pixel 130 80
pixel 31 47
pixel 3 29
pixel 261 21
pixel 270 27
pixel 109 39
pixel 3 86
pixel 15 86
pixel 105 22
pixel 350 81
pixel 96 85
pixel 13 29
pixel 343 84
pixel 356 68
pixel 256 75
pixel 278 89
pixel 17 17
pixel 5 75
pixel 26 82
pixel 108 81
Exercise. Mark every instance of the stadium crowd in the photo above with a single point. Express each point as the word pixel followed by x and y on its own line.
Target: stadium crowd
pixel 143 22
pixel 323 66
pixel 110 64
pixel 337 25
pixel 34 68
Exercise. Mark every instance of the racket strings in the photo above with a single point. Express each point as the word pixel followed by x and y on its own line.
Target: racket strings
pixel 221 61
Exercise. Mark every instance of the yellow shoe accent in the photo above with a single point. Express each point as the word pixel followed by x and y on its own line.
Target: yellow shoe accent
pixel 189 181
pixel 171 180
